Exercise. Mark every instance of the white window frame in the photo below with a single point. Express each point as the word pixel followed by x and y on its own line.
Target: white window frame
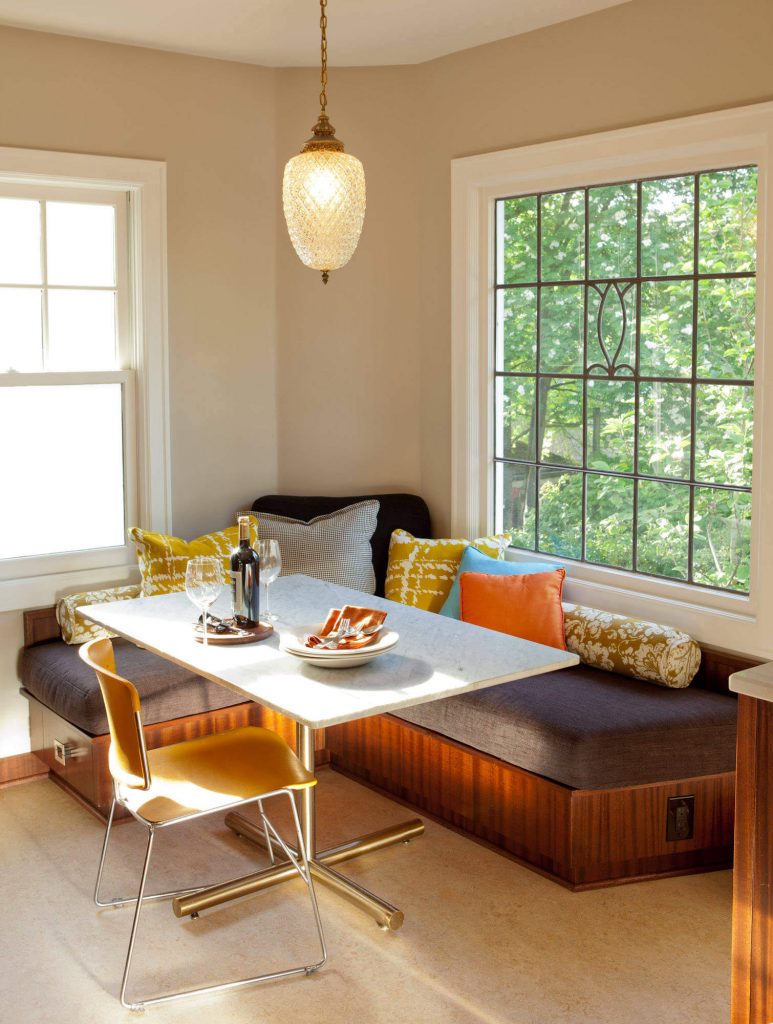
pixel 138 188
pixel 683 146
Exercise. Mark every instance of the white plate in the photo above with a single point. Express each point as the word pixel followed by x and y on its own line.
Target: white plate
pixel 295 643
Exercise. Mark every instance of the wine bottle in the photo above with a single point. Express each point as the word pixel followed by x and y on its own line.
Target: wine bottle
pixel 245 579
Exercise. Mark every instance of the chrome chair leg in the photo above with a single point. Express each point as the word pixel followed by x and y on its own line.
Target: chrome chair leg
pixel 301 865
pixel 102 858
pixel 135 924
pixel 269 844
pixel 120 902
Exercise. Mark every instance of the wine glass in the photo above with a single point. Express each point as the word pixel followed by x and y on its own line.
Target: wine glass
pixel 203 582
pixel 270 567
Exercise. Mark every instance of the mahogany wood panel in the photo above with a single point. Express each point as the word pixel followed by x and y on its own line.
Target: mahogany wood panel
pixel 40 625
pixel 21 768
pixel 752 970
pixel 583 838
pixel 621 833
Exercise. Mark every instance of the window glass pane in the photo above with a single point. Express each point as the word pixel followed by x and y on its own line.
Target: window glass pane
pixel 723 434
pixel 663 529
pixel 667 226
pixel 665 342
pixel 627 312
pixel 560 421
pixel 515 493
pixel 518 249
pixel 21 337
pixel 517 330
pixel 81 243
pixel 515 434
pixel 612 329
pixel 728 221
pixel 722 538
pixel 20 241
pixel 726 317
pixel 611 413
pixel 93 418
pixel 609 520
pixel 562 310
pixel 665 429
pixel 81 330
pixel 560 512
pixel 612 231
pixel 563 236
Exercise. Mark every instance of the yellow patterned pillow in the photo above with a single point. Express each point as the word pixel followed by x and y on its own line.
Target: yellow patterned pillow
pixel 421 571
pixel 163 559
pixel 76 630
pixel 632 647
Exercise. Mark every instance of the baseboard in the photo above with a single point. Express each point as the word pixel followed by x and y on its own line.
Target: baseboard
pixel 21 768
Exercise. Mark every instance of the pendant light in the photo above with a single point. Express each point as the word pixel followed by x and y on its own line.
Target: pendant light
pixel 323 191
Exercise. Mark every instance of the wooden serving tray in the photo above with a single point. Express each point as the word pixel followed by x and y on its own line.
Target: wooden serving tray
pixel 260 632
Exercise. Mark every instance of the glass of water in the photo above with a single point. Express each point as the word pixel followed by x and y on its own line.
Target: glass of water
pixel 270 567
pixel 203 583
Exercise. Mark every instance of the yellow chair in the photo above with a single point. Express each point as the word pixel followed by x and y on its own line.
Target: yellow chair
pixel 187 780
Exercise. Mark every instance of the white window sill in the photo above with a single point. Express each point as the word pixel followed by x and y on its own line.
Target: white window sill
pixel 41 591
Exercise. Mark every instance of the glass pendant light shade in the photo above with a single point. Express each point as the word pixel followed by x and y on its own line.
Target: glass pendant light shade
pixel 323 190
pixel 323 193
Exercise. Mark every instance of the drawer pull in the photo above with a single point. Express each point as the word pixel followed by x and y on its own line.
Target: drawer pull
pixel 65 752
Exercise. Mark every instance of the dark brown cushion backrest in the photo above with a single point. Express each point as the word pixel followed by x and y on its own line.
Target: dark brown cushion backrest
pixel 397 511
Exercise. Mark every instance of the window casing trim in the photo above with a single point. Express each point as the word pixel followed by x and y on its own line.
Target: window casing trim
pixel 147 389
pixel 688 145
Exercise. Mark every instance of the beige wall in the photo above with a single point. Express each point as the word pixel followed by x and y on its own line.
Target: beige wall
pixel 213 124
pixel 348 357
pixel 644 61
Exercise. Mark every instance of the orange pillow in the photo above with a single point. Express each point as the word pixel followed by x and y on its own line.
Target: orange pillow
pixel 527 606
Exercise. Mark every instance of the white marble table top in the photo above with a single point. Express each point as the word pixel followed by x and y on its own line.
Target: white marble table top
pixel 754 682
pixel 436 656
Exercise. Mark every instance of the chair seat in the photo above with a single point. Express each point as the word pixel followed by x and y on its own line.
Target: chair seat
pixel 215 772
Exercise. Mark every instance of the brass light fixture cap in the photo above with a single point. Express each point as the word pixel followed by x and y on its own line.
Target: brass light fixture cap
pixel 323 137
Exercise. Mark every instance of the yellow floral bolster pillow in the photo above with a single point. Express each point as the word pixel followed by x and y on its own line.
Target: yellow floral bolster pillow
pixel 632 647
pixel 163 559
pixel 421 571
pixel 76 630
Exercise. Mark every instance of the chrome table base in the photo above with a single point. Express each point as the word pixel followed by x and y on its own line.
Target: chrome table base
pixel 321 864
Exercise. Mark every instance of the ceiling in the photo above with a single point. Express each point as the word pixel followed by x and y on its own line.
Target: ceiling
pixel 285 33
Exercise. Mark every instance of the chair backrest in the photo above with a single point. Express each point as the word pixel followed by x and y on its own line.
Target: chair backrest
pixel 128 755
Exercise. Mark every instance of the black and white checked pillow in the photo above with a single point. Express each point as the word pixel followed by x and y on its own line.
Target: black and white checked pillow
pixel 335 547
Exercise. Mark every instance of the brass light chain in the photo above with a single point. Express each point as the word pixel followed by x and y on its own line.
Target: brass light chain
pixel 323 54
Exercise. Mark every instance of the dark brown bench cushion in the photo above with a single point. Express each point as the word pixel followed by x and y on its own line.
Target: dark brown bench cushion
pixel 55 675
pixel 591 729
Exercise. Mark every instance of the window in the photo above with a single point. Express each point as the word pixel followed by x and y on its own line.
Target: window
pixel 624 374
pixel 64 359
pixel 83 369
pixel 643 465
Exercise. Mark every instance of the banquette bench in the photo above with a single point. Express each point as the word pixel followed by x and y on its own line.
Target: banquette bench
pixel 590 777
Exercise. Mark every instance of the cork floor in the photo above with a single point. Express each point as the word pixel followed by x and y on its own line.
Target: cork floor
pixel 485 941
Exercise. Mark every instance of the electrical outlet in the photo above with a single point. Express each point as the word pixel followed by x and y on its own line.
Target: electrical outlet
pixel 680 818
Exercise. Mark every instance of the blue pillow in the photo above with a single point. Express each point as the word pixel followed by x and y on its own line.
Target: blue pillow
pixel 476 561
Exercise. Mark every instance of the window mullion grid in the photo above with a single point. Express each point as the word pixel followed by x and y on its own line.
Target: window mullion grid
pixel 538 381
pixel 694 374
pixel 586 240
pixel 637 370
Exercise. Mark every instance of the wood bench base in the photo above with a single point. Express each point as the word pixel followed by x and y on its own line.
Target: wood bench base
pixel 584 839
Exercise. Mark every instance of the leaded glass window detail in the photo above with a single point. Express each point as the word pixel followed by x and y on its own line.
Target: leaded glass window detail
pixel 624 374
